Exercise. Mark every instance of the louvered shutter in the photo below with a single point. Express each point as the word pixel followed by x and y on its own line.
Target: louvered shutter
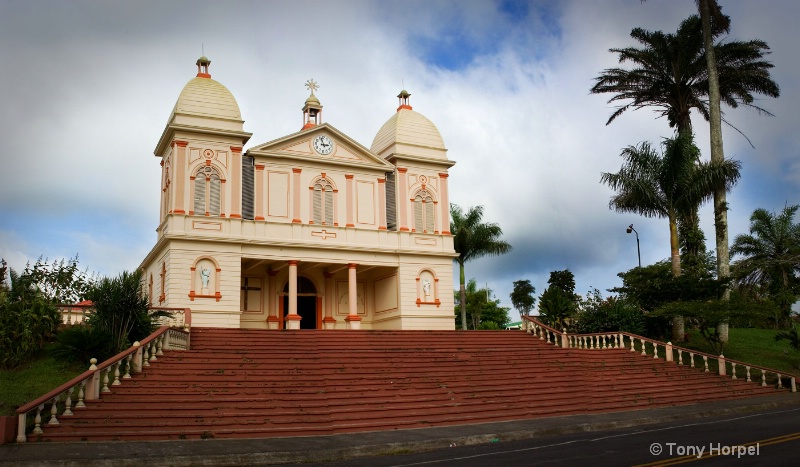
pixel 418 225
pixel 248 187
pixel 200 194
pixel 328 193
pixel 391 202
pixel 429 216
pixel 213 198
pixel 316 208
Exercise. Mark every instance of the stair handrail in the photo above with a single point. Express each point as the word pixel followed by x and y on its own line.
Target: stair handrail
pixel 82 311
pixel 617 339
pixel 93 382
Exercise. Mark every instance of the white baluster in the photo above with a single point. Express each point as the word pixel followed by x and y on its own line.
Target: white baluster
pixel 633 344
pixel 80 394
pixel 127 374
pixel 68 402
pixel 643 349
pixel 763 378
pixel 160 345
pixel 705 362
pixel 780 385
pixel 116 374
pixel 680 357
pixel 655 350
pixel 105 380
pixel 691 360
pixel 53 412
pixel 547 331
pixel 747 370
pixel 37 421
pixel 146 357
pixel 153 350
pixel 603 340
pixel 733 370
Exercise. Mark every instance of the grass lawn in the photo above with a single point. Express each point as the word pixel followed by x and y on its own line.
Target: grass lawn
pixel 33 379
pixel 755 346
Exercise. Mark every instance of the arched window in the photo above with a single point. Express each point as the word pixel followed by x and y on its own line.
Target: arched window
pixel 424 212
pixel 206 191
pixel 322 205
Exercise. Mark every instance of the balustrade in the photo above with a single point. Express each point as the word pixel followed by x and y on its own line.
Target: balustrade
pixel 94 382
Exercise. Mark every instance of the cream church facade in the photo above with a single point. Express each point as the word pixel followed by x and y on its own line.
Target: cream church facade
pixel 311 230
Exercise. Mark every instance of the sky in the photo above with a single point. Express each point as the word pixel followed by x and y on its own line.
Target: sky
pixel 87 87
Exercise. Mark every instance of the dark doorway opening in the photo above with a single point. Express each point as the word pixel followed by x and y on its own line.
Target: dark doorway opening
pixel 306 303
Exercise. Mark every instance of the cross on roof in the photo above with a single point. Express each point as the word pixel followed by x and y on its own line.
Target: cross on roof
pixel 312 85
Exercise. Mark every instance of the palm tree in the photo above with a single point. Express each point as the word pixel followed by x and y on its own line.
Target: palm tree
pixel 770 256
pixel 669 185
pixel 473 239
pixel 676 73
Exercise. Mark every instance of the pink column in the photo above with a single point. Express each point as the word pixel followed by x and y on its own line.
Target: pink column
pixel 273 321
pixel 402 199
pixel 178 173
pixel 353 320
pixel 292 318
pixel 349 201
pixel 259 193
pixel 236 183
pixel 329 322
pixel 381 204
pixel 296 196
pixel 445 205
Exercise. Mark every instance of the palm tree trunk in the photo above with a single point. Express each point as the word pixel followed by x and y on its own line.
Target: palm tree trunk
pixel 718 156
pixel 463 291
pixel 678 325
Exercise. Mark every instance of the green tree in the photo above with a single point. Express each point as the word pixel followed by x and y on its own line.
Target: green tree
pixel 522 297
pixel 612 314
pixel 556 307
pixel 473 239
pixel 482 312
pixel 770 258
pixel 676 73
pixel 668 185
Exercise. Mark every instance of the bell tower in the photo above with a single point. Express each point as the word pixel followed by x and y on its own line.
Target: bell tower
pixel 312 110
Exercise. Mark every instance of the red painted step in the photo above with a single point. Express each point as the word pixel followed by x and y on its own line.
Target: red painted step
pixel 250 383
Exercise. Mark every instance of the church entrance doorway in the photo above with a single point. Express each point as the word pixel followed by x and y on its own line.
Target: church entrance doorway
pixel 307 304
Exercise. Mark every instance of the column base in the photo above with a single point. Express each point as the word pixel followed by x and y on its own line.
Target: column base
pixel 328 323
pixel 292 321
pixel 273 322
pixel 353 322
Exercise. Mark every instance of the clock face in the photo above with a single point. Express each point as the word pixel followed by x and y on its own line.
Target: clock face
pixel 323 144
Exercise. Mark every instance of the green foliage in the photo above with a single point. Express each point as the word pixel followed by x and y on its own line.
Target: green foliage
pixel 770 259
pixel 522 297
pixel 121 309
pixel 556 307
pixel 564 280
pixel 28 317
pixel 80 343
pixel 482 312
pixel 473 239
pixel 598 314
pixel 791 335
pixel 31 379
pixel 25 327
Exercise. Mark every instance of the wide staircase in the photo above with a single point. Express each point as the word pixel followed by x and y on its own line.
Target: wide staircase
pixel 251 384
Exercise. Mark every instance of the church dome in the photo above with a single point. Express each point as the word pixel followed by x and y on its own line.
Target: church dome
pixel 206 97
pixel 409 132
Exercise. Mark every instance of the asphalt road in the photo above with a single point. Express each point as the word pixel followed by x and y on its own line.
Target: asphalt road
pixel 764 438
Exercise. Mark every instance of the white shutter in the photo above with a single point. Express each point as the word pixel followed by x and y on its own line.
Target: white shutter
pixel 213 199
pixel 429 215
pixel 418 225
pixel 328 193
pixel 316 208
pixel 200 194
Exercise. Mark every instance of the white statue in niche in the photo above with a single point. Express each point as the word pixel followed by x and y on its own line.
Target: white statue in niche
pixel 426 288
pixel 205 275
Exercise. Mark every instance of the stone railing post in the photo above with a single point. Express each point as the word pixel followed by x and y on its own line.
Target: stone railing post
pixel 93 386
pixel 722 368
pixel 669 351
pixel 136 361
pixel 564 340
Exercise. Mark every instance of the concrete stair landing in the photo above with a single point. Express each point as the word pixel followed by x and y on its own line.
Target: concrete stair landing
pixel 253 384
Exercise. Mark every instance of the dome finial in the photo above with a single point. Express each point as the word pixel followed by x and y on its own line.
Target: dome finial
pixel 203 64
pixel 403 97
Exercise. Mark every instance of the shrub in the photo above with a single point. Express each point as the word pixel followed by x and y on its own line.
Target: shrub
pixel 120 309
pixel 82 342
pixel 610 314
pixel 25 327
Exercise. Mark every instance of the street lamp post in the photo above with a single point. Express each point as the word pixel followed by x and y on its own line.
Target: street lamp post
pixel 638 251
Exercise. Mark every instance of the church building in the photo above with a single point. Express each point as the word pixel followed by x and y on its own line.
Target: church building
pixel 309 230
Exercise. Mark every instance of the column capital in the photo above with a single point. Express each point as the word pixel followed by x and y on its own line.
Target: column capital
pixel 293 262
pixel 348 176
pixel 179 143
pixel 237 149
pixel 443 175
pixel 352 265
pixel 296 170
pixel 402 170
